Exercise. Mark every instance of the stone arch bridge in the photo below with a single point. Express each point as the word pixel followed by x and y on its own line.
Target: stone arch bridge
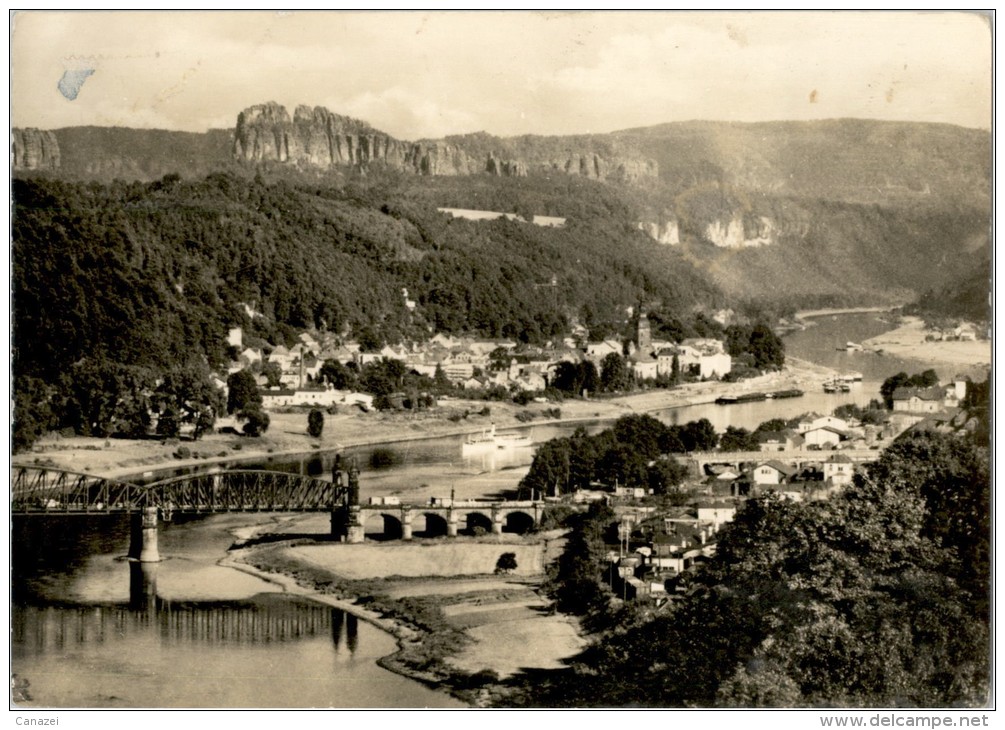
pixel 400 520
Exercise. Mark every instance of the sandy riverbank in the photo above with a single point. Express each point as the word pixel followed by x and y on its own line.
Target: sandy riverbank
pixel 908 341
pixel 287 434
pixel 459 627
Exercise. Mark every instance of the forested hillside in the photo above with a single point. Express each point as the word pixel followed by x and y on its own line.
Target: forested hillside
pixel 786 214
pixel 154 273
pixel 965 297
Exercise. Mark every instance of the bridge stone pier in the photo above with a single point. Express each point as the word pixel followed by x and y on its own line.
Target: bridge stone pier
pixel 143 538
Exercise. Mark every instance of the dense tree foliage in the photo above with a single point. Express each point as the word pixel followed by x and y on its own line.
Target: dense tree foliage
pixel 242 391
pixel 615 374
pixel 315 423
pixel 875 597
pixel 630 453
pixel 574 378
pixel 575 578
pixel 256 421
pixel 738 439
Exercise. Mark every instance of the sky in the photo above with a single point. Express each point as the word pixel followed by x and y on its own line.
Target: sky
pixel 430 74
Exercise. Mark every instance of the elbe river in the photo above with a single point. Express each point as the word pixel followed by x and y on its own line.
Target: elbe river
pixel 90 630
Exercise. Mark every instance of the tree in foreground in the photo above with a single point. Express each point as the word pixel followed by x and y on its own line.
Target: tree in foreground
pixel 315 423
pixel 256 421
pixel 506 563
pixel 242 392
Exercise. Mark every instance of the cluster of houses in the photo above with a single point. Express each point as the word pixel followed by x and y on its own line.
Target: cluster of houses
pixel 651 571
pixel 964 332
pixel 468 363
pixel 938 408
pixel 700 357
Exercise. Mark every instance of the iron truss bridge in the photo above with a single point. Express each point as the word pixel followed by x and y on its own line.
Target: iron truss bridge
pixel 37 490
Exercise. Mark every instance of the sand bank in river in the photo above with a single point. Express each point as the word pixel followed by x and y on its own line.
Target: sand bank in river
pixel 908 341
pixel 287 434
pixel 449 590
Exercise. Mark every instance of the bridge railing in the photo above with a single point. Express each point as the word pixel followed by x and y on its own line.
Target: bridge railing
pixel 41 490
pixel 246 490
pixel 36 489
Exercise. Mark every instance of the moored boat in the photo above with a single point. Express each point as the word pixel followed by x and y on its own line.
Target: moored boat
pixel 790 393
pixel 725 400
pixel 492 441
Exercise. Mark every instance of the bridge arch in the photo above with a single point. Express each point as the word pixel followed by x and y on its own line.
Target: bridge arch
pixel 476 520
pixel 519 522
pixel 382 526
pixel 429 524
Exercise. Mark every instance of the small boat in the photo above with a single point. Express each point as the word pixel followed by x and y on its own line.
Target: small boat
pixel 492 441
pixel 836 386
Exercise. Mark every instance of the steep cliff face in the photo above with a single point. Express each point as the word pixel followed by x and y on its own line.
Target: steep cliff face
pixel 666 232
pixel 742 231
pixel 596 167
pixel 505 168
pixel 35 149
pixel 317 137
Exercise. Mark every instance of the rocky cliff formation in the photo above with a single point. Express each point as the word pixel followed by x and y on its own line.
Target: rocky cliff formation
pixel 505 168
pixel 35 149
pixel 741 231
pixel 666 232
pixel 317 137
pixel 595 167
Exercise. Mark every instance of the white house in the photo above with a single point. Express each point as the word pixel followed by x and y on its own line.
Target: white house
pixel 926 400
pixel 824 437
pixel 709 362
pixel 717 513
pixel 308 396
pixel 249 356
pixel 821 421
pixel 646 369
pixel 778 440
pixel 599 350
pixel 839 469
pixel 771 472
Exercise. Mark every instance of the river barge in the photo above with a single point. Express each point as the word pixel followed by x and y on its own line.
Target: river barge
pixel 726 400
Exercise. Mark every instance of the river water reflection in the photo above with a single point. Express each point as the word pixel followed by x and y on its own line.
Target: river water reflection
pixel 90 629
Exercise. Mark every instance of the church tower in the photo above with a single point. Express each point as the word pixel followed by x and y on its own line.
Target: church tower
pixel 644 338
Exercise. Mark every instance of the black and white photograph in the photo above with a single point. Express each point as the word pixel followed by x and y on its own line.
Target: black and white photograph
pixel 493 360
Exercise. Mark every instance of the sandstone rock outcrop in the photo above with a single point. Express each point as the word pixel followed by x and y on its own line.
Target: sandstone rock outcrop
pixel 596 167
pixel 666 232
pixel 741 231
pixel 505 168
pixel 35 149
pixel 317 137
